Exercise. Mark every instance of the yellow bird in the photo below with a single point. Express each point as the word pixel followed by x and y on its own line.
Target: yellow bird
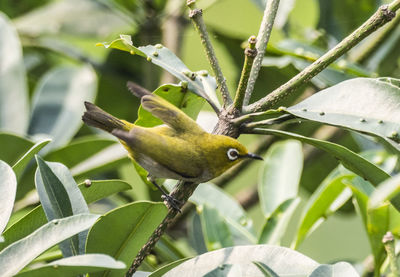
pixel 181 150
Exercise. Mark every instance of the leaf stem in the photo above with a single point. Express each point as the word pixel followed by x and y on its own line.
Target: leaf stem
pixel 250 53
pixel 196 15
pixel 383 15
pixel 264 33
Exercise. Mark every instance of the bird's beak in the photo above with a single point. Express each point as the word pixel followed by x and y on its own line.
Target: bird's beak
pixel 254 156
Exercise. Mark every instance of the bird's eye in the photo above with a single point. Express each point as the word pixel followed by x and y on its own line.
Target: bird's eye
pixel 233 154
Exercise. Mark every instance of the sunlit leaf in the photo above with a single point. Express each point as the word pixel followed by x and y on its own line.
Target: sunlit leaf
pixel 17 255
pixel 8 188
pixel 14 109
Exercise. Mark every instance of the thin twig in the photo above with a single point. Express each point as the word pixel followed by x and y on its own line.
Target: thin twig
pixel 250 53
pixel 196 16
pixel 262 40
pixel 181 193
pixel 382 16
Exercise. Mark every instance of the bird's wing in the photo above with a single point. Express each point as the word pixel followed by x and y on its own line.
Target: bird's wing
pixel 164 110
pixel 170 115
pixel 171 152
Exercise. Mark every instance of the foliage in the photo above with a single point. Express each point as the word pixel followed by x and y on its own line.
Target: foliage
pixel 57 175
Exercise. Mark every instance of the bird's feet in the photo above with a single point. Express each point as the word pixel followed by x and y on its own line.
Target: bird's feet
pixel 172 202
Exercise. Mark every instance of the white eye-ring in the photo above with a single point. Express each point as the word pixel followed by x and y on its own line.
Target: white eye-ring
pixel 232 154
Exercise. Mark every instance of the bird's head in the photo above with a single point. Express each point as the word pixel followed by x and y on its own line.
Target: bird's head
pixel 226 152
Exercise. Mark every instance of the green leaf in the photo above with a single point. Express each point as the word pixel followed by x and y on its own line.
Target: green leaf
pixel 17 255
pixel 215 230
pixel 130 225
pixel 200 83
pixel 280 175
pixel 233 214
pixel 89 155
pixel 348 158
pixel 376 221
pixel 79 150
pixel 60 197
pixel 374 112
pixel 329 196
pixel 276 224
pixel 74 266
pixel 384 192
pixel 164 269
pixel 283 261
pixel 8 188
pixel 188 102
pixel 341 269
pixel 96 190
pixel 58 102
pixel 266 270
pixel 36 217
pixel 16 147
pixel 109 158
pixel 21 164
pixel 14 109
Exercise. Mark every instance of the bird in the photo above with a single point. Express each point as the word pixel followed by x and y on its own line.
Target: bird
pixel 180 149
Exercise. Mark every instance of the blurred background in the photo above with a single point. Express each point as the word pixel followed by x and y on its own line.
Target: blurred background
pixel 59 67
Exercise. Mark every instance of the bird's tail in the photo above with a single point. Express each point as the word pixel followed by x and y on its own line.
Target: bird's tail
pixel 96 117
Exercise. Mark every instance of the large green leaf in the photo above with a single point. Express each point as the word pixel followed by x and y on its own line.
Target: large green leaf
pixel 75 266
pixel 280 175
pixel 233 214
pixel 348 158
pixel 109 158
pixel 90 155
pixel 17 255
pixel 215 230
pixel 79 150
pixel 375 111
pixel 329 196
pixel 283 261
pixel 177 95
pixel 8 188
pixel 21 164
pixel 341 269
pixel 377 220
pixel 200 83
pixel 93 191
pixel 275 226
pixel 58 102
pixel 14 110
pixel 61 197
pixel 130 225
pixel 16 147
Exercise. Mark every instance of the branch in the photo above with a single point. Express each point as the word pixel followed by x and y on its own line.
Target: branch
pixel 382 16
pixel 250 53
pixel 181 192
pixel 262 40
pixel 197 19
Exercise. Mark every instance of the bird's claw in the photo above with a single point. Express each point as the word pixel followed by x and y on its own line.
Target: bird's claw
pixel 172 202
